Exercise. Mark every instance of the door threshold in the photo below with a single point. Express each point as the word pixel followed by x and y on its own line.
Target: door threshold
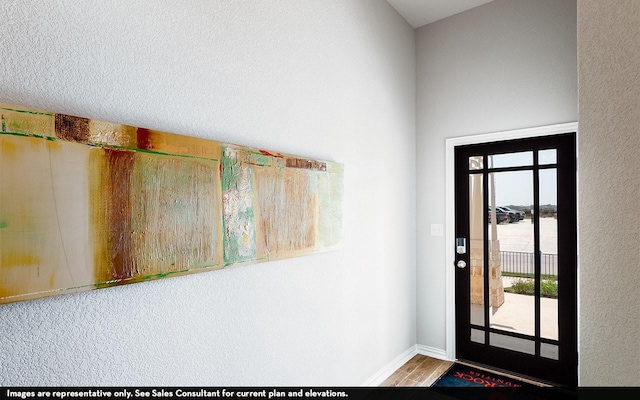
pixel 510 374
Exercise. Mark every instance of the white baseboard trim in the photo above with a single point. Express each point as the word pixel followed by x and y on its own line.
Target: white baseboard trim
pixel 432 352
pixel 386 371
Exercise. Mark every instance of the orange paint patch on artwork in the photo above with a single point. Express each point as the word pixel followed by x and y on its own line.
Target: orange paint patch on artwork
pixel 14 148
pixel 9 289
pixel 7 293
pixel 110 208
pixel 17 259
pixel 99 217
pixel 118 208
pixel 170 143
pixel 20 282
pixel 270 153
pixel 154 214
pixel 7 148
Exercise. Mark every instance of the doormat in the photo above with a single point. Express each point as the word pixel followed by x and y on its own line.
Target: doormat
pixel 460 375
pixel 464 382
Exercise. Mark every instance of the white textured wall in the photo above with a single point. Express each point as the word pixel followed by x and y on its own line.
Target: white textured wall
pixel 505 65
pixel 331 79
pixel 609 180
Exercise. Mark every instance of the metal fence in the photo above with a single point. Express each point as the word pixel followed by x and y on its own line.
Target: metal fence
pixel 523 263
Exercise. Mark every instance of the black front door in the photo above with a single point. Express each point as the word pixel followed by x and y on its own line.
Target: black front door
pixel 516 258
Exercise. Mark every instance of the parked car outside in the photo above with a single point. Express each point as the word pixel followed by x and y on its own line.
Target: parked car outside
pixel 521 214
pixel 501 216
pixel 514 215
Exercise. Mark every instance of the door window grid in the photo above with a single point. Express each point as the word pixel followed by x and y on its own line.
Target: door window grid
pixel 563 350
pixel 508 163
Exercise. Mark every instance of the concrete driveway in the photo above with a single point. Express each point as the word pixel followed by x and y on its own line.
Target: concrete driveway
pixel 518 236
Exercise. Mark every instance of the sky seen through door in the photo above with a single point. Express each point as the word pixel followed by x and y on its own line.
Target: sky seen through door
pixel 511 189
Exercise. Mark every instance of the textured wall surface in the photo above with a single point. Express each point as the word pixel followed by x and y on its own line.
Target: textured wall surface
pixel 506 65
pixel 330 80
pixel 608 144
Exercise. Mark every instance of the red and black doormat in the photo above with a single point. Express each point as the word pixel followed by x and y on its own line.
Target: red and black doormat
pixel 468 383
pixel 460 375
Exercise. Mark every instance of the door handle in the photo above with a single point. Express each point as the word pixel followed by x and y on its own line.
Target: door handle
pixel 461 264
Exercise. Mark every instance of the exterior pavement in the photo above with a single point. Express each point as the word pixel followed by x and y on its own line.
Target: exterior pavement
pixel 518 236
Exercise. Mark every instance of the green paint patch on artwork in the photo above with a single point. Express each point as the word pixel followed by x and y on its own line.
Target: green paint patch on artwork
pixel 164 153
pixel 163 275
pixel 230 172
pixel 49 138
pixel 247 215
pixel 239 238
pixel 15 134
pixel 258 159
pixel 28 111
pixel 3 224
pixel 33 135
pixel 137 150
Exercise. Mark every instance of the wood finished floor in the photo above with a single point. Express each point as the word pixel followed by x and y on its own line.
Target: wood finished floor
pixel 419 371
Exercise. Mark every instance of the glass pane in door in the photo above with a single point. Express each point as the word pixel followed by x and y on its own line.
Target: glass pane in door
pixel 546 157
pixel 511 265
pixel 476 253
pixel 521 159
pixel 513 343
pixel 475 162
pixel 549 254
pixel 549 351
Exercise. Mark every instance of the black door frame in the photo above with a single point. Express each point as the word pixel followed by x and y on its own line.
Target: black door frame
pixel 563 371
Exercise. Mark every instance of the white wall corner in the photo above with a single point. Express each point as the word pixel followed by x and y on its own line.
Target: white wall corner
pixel 386 371
pixel 433 352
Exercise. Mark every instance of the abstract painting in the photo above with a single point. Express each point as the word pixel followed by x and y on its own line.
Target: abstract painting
pixel 86 204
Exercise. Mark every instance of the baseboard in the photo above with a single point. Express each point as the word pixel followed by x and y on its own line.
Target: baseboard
pixel 432 352
pixel 386 371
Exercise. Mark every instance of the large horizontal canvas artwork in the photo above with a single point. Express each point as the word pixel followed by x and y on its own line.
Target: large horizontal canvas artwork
pixel 86 204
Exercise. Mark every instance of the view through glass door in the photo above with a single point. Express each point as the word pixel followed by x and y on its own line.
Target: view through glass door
pixel 516 256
